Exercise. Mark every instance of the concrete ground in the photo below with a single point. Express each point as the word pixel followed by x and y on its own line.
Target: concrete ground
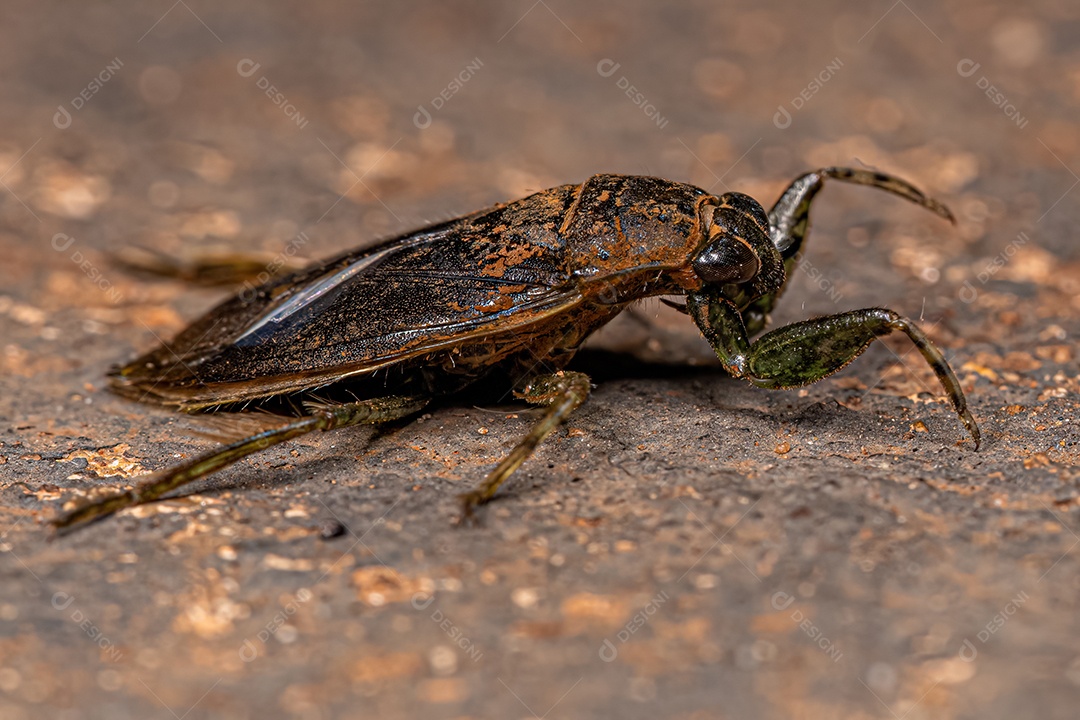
pixel 689 546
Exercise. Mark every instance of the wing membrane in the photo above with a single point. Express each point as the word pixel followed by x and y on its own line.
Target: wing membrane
pixel 360 312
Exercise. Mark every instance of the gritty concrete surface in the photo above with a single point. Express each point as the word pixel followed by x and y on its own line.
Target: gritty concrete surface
pixel 689 547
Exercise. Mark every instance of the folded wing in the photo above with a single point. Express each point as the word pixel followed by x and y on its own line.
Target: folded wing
pixel 414 295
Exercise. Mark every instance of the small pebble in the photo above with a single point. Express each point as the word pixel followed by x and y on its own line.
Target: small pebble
pixel 330 529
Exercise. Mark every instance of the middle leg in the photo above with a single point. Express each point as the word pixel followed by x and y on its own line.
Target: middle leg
pixel 563 392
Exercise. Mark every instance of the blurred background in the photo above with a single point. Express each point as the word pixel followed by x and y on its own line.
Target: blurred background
pixel 690 547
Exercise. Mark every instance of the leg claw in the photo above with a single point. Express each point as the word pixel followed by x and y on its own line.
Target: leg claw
pixel 470 501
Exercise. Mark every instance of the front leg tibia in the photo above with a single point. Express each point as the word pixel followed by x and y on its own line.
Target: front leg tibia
pixel 810 350
pixel 807 351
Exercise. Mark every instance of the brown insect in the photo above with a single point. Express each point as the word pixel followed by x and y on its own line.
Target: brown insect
pixel 507 295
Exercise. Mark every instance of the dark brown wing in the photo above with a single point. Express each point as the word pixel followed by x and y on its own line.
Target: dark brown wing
pixel 492 273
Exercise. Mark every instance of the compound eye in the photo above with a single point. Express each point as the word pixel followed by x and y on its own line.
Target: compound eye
pixel 728 259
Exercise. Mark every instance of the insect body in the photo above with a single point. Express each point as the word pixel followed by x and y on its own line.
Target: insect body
pixel 508 295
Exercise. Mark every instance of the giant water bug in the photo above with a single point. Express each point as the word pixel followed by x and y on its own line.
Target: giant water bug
pixel 507 295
